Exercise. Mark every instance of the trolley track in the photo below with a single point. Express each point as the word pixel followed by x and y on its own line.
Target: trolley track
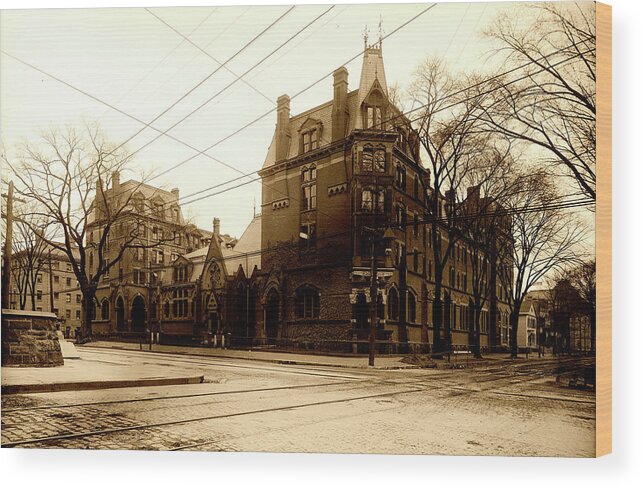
pixel 48 439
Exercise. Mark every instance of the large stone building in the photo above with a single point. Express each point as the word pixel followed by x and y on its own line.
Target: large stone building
pixel 332 175
pixel 124 298
pixel 334 178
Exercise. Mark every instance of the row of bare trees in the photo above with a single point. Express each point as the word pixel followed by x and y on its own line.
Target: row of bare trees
pixel 500 149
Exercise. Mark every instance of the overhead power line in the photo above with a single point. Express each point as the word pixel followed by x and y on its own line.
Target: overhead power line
pixel 553 205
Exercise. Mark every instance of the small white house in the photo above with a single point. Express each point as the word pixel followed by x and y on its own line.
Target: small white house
pixel 527 326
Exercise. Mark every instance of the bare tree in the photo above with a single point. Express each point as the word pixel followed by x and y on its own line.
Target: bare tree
pixel 30 255
pixel 553 103
pixel 583 279
pixel 484 228
pixel 447 126
pixel 545 238
pixel 67 177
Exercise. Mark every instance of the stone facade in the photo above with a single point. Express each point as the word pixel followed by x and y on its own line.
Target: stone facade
pixel 29 339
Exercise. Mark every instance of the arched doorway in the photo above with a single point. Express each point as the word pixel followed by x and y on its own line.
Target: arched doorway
pixel 138 314
pixel 272 315
pixel 120 314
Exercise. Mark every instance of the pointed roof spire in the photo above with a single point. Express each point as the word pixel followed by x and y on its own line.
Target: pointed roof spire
pixel 380 33
pixel 365 35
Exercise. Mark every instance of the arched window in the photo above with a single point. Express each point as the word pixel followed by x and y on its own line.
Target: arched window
pixel 393 304
pixel 307 303
pixel 104 309
pixel 411 306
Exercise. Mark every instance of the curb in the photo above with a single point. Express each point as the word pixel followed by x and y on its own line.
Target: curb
pixel 97 384
pixel 265 360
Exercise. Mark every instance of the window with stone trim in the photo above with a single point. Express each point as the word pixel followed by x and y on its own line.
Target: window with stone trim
pixel 307 303
pixel 309 140
pixel 412 307
pixel 373 200
pixel 104 309
pixel 309 188
pixel 180 303
pixel 393 304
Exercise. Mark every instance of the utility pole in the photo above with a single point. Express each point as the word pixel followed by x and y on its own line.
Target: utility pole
pixel 373 305
pixel 387 237
pixel 8 245
pixel 51 283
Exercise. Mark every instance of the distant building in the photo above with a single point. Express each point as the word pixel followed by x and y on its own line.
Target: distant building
pixel 56 289
pixel 124 298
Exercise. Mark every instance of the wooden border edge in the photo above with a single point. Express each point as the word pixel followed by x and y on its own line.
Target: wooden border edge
pixel 603 235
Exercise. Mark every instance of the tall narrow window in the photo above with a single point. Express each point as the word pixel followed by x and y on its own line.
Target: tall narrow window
pixel 309 188
pixel 411 307
pixel 393 305
pixel 104 309
pixel 373 117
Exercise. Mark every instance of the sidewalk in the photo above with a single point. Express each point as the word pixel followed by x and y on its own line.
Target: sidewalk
pixel 384 362
pixel 89 374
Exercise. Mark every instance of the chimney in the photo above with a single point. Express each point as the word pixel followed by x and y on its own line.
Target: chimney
pixel 283 127
pixel 216 226
pixel 116 180
pixel 340 108
pixel 175 192
pixel 473 193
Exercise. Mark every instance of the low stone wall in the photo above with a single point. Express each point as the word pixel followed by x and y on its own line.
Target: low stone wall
pixel 29 339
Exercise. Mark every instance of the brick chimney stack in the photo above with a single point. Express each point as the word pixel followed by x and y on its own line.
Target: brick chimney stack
pixel 283 127
pixel 216 226
pixel 175 192
pixel 116 180
pixel 340 107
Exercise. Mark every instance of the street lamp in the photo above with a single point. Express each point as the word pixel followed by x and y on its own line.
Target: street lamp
pixel 388 237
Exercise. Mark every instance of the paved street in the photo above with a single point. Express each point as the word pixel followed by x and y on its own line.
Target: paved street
pixel 245 405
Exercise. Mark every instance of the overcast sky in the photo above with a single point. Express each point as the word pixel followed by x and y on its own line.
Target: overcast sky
pixel 130 59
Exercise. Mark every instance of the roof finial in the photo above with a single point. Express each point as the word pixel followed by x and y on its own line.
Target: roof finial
pixel 380 32
pixel 254 207
pixel 365 37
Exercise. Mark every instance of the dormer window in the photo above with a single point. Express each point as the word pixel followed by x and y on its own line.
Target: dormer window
pixel 181 273
pixel 310 140
pixel 373 117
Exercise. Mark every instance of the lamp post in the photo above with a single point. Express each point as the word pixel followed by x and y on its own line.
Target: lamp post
pixel 387 236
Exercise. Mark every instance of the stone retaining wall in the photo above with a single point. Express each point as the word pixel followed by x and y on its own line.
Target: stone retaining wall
pixel 29 339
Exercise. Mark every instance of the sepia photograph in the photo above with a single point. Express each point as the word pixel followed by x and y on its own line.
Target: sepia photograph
pixel 348 229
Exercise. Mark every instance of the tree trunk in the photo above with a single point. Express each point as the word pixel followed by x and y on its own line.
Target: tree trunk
pixel 437 321
pixel 88 316
pixel 592 332
pixel 425 328
pixel 513 319
pixel 476 335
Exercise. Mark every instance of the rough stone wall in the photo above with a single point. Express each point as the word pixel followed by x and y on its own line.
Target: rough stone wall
pixel 29 339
